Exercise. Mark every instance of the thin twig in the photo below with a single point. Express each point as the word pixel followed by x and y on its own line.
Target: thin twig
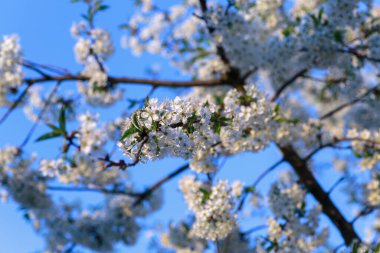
pixel 349 103
pixel 40 115
pixel 97 190
pixel 54 69
pixel 254 229
pixel 15 103
pixel 287 83
pixel 155 186
pixel 257 181
pixel 366 210
pixel 333 187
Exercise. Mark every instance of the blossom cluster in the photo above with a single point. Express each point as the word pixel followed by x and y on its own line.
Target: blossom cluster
pixel 293 228
pixel 83 167
pixel 37 101
pixel 199 130
pixel 373 190
pixel 321 54
pixel 64 223
pixel 93 48
pixel 212 207
pixel 180 239
pixel 10 66
pixel 91 42
pixel 366 146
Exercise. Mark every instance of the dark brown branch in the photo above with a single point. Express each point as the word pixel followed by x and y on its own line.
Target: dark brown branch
pixel 128 80
pixel 203 4
pixel 301 168
pixel 122 164
pixel 234 75
pixel 155 186
pixel 287 83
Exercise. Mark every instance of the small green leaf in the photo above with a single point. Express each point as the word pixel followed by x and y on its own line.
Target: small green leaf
pixel 339 36
pixel 129 132
pixel 157 145
pixel 355 247
pixel 288 31
pixel 377 249
pixel 124 26
pixel 62 119
pixel 146 101
pixel 54 128
pixel 135 121
pixel 249 189
pixel 206 194
pixel 49 136
pixel 85 17
pixel 277 109
pixel 219 122
pixel 103 7
pixel 132 103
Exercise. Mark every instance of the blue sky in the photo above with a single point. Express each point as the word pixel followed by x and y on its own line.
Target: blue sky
pixel 43 26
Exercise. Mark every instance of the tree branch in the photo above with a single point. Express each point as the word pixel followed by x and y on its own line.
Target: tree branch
pixel 257 181
pixel 15 103
pixel 301 168
pixel 128 80
pixel 287 83
pixel 155 186
pixel 40 115
pixel 350 103
pixel 86 189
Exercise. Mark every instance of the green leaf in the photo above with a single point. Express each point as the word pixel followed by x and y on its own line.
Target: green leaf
pixel 124 26
pixel 219 122
pixel 157 145
pixel 62 119
pixel 206 194
pixel 277 109
pixel 135 121
pixel 249 189
pixel 49 136
pixel 54 128
pixel 339 36
pixel 146 101
pixel 129 132
pixel 220 99
pixel 132 103
pixel 103 7
pixel 355 247
pixel 199 56
pixel 288 31
pixel 155 125
pixel 85 17
pixel 377 249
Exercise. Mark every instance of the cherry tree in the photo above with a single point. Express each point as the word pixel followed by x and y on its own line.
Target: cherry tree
pixel 298 75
